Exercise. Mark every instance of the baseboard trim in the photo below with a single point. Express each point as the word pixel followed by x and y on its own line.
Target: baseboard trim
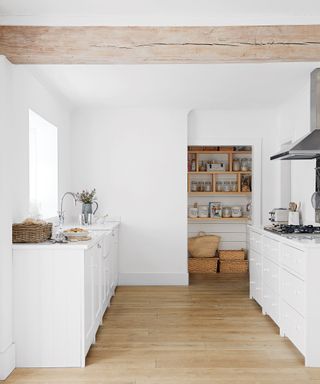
pixel 7 362
pixel 153 279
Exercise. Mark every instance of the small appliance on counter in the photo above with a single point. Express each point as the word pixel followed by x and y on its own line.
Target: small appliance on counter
pixel 279 216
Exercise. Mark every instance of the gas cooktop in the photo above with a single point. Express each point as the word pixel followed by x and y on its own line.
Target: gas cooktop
pixel 293 229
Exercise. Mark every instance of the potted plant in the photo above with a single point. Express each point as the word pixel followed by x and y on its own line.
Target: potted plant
pixel 87 199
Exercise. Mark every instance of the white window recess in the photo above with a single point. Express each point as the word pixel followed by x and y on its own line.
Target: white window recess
pixel 43 167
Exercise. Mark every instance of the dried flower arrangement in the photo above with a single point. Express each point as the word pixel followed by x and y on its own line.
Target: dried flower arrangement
pixel 86 197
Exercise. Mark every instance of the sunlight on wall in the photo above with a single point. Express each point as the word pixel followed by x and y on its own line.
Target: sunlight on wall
pixel 43 167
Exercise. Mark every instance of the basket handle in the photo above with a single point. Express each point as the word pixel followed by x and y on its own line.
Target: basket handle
pixel 202 233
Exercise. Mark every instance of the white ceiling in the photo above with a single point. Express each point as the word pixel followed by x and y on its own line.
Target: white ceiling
pixel 159 12
pixel 225 86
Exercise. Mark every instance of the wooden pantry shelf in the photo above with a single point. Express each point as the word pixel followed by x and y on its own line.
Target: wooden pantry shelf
pixel 219 193
pixel 218 219
pixel 219 173
pixel 221 152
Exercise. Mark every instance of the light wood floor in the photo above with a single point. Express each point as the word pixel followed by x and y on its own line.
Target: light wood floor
pixel 209 332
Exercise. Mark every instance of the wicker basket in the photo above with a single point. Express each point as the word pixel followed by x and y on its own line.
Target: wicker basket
pixel 31 233
pixel 203 264
pixel 203 245
pixel 233 266
pixel 239 254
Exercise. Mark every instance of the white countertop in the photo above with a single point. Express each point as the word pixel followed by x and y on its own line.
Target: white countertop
pixel 95 237
pixel 96 231
pixel 299 241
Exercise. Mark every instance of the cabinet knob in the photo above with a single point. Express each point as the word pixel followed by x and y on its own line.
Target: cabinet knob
pixel 99 246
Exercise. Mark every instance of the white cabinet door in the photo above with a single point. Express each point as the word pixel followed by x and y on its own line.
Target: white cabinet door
pixel 114 260
pixel 271 303
pixel 88 297
pixel 93 292
pixel 255 265
pixel 97 288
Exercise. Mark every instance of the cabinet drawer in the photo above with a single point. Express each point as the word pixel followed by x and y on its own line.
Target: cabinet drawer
pixel 293 326
pixel 293 259
pixel 292 290
pixel 271 303
pixel 271 249
pixel 256 241
pixel 271 274
pixel 258 284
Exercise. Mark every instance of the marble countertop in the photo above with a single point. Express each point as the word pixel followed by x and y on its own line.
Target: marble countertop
pixel 96 231
pixel 300 241
pixel 95 237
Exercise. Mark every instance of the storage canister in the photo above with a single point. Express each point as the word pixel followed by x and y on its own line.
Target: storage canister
pixel 236 211
pixel 236 165
pixel 226 212
pixel 193 212
pixel 203 211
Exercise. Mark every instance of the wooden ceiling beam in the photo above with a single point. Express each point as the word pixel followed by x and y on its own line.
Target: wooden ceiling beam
pixel 159 45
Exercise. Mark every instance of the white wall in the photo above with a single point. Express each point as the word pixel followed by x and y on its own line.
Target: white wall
pixel 28 92
pixel 20 91
pixel 6 335
pixel 136 159
pixel 230 127
pixel 293 123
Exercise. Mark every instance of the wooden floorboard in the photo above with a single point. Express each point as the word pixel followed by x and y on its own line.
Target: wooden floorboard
pixel 209 332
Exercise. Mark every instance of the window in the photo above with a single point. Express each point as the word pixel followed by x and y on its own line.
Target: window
pixel 43 167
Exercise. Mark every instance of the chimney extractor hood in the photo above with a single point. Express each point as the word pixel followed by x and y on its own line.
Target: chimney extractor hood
pixel 307 147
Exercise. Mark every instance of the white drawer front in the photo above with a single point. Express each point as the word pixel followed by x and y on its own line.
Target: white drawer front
pixel 271 273
pixel 271 250
pixel 256 241
pixel 271 303
pixel 255 270
pixel 293 259
pixel 292 290
pixel 293 326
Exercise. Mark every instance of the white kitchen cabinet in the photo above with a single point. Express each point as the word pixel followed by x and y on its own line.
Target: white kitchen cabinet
pixel 271 278
pixel 61 292
pixel 255 265
pixel 290 285
pixel 114 259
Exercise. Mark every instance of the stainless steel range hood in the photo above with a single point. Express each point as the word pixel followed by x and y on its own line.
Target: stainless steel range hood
pixel 307 147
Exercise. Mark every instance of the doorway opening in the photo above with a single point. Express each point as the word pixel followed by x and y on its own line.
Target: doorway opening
pixel 220 188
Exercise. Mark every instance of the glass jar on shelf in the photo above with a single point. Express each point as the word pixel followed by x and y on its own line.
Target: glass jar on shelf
pixel 234 186
pixel 219 186
pixel 226 212
pixel 208 186
pixel 236 165
pixel 202 167
pixel 194 186
pixel 244 165
pixel 226 186
pixel 193 165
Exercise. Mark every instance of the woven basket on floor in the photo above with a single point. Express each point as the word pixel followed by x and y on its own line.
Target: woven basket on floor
pixel 203 245
pixel 203 264
pixel 31 233
pixel 232 254
pixel 233 266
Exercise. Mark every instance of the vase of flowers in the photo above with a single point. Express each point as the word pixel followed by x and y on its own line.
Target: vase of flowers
pixel 88 199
